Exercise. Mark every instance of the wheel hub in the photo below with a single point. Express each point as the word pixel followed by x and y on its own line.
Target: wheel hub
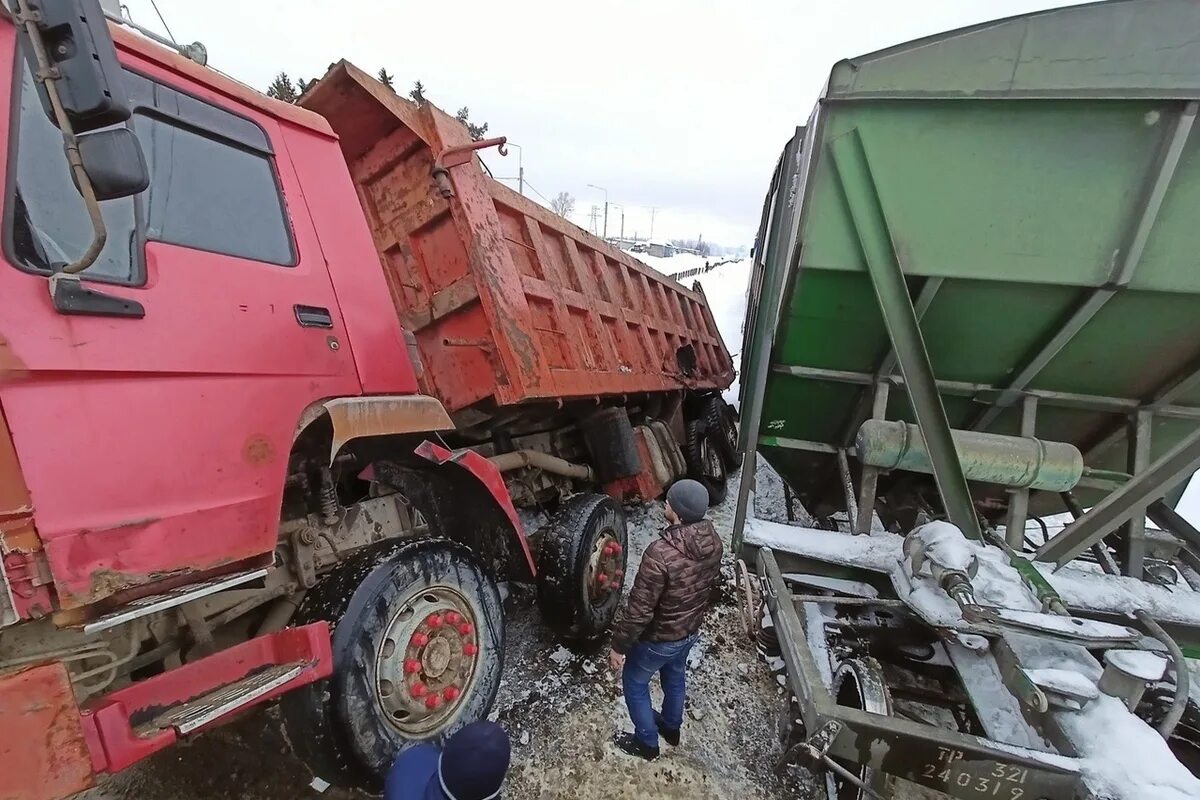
pixel 606 567
pixel 426 663
pixel 435 658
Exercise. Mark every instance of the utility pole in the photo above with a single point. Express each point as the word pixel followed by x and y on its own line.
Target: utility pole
pixel 520 169
pixel 653 210
pixel 601 188
pixel 618 205
pixel 593 216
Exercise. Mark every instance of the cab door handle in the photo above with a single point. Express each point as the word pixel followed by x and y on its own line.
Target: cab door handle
pixel 313 317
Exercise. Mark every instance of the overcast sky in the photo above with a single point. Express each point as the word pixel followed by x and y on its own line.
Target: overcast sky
pixel 679 104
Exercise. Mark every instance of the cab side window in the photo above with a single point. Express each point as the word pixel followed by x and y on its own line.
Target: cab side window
pixel 211 195
pixel 212 187
pixel 46 220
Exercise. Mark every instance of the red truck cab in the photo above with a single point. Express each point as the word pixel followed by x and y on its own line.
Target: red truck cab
pixel 153 444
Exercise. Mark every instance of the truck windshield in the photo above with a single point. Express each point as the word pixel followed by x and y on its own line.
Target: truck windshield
pixel 49 224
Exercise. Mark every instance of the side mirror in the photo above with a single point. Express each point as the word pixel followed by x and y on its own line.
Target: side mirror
pixel 78 45
pixel 114 162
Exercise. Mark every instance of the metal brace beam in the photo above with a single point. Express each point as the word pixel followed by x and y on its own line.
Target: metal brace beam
pixel 924 300
pixel 1018 499
pixel 904 330
pixel 1095 402
pixel 870 475
pixel 1137 459
pixel 1128 258
pixel 1120 506
pixel 1169 519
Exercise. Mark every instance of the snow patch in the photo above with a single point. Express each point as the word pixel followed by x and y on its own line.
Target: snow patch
pixel 1065 682
pixel 1138 663
pixel 562 656
pixel 1123 758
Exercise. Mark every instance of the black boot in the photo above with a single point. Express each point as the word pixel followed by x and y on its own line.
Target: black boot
pixel 670 734
pixel 628 743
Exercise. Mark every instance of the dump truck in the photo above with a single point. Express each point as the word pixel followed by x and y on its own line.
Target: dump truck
pixel 972 355
pixel 278 384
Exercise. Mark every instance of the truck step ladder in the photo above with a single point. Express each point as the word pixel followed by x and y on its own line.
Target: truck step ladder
pixel 170 599
pixel 194 714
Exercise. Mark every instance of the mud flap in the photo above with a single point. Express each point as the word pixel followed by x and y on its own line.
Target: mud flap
pixel 468 471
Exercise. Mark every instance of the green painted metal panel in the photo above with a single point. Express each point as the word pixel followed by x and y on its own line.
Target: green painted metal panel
pixel 1013 160
pixel 1114 49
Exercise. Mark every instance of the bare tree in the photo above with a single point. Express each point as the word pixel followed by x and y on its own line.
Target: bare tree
pixel 563 204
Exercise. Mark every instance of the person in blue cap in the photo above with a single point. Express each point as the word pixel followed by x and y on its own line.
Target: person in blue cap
pixel 674 589
pixel 471 766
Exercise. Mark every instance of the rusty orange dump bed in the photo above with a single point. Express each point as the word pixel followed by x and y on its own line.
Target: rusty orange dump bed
pixel 509 302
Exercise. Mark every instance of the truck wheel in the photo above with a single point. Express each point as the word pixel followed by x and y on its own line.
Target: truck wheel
pixel 581 566
pixel 722 420
pixel 703 455
pixel 418 649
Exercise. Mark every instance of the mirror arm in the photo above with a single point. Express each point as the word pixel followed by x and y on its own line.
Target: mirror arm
pixel 48 75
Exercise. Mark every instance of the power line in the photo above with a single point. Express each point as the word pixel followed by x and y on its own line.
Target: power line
pixel 163 21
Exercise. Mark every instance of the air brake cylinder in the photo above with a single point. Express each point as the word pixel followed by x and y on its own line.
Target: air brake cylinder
pixel 1017 462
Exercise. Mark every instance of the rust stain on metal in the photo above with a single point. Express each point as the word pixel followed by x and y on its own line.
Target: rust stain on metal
pixel 360 417
pixel 41 735
pixel 258 450
pixel 567 314
pixel 11 366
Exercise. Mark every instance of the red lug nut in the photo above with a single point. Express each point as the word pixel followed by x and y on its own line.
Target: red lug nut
pixel 452 618
pixel 618 575
pixel 433 701
pixel 419 640
pixel 451 693
pixel 616 548
pixel 417 690
pixel 610 549
pixel 412 666
pixel 470 649
pixel 602 578
pixel 465 629
pixel 433 621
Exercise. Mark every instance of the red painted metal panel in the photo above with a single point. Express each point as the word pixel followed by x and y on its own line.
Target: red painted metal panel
pixel 374 332
pixel 509 303
pixel 112 719
pixel 157 447
pixel 43 752
pixel 492 479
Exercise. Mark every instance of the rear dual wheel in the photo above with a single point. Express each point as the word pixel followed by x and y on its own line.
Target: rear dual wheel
pixel 702 451
pixel 418 649
pixel 722 419
pixel 581 566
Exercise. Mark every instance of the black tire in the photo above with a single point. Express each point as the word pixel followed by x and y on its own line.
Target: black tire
pixel 339 727
pixel 572 558
pixel 722 420
pixel 704 461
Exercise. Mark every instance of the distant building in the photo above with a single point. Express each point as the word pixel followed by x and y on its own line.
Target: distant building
pixel 660 249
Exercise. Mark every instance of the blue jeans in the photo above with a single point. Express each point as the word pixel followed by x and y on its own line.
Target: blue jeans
pixel 669 659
